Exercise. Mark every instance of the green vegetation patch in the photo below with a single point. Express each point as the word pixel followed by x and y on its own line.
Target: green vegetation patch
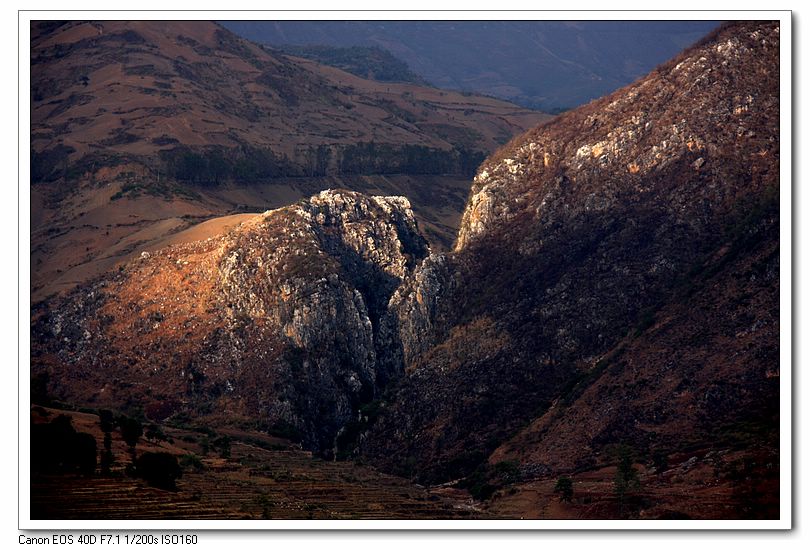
pixel 371 62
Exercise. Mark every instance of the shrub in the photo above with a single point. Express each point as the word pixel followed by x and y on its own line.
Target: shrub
pixel 191 462
pixel 485 480
pixel 508 471
pixel 155 433
pixel 565 487
pixel 58 447
pixel 158 469
pixel 223 445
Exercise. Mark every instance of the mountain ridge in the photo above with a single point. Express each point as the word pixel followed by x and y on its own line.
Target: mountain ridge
pixel 549 65
pixel 613 289
pixel 577 236
pixel 141 129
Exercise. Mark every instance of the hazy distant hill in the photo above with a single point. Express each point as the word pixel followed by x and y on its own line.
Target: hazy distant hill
pixel 541 64
pixel 370 62
pixel 140 129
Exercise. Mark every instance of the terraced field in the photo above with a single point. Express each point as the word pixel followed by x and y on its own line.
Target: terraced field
pixel 264 478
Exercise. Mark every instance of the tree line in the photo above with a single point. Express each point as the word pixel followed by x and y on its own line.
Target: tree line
pixel 212 167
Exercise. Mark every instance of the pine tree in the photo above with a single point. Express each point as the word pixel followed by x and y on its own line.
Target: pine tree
pixel 565 487
pixel 626 480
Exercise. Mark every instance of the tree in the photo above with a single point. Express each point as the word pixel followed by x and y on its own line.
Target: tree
pixel 58 447
pixel 107 425
pixel 131 432
pixel 39 388
pixel 223 443
pixel 84 453
pixel 626 480
pixel 565 487
pixel 158 469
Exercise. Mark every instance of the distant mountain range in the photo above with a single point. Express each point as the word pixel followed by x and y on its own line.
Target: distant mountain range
pixel 547 65
pixel 371 62
pixel 143 128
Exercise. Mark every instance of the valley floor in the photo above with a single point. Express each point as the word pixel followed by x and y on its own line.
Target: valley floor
pixel 270 478
pixel 264 478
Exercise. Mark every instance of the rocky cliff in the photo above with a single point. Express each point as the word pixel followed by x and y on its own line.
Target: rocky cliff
pixel 276 322
pixel 647 220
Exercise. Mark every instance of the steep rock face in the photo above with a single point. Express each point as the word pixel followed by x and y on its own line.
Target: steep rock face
pixel 276 322
pixel 690 115
pixel 416 304
pixel 577 235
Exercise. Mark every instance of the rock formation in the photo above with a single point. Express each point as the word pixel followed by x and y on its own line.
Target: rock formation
pixel 590 236
pixel 276 322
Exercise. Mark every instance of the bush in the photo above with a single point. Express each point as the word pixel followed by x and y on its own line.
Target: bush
pixel 191 462
pixel 155 433
pixel 508 471
pixel 565 487
pixel 481 490
pixel 486 480
pixel 58 448
pixel 158 469
pixel 223 445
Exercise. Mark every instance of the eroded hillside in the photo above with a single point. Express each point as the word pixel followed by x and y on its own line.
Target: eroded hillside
pixel 614 282
pixel 141 129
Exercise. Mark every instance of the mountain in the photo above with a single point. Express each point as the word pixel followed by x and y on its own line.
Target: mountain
pixel 549 65
pixel 276 322
pixel 370 62
pixel 195 84
pixel 608 315
pixel 614 282
pixel 141 129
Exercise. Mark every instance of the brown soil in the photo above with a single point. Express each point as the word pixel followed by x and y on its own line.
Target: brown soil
pixel 264 478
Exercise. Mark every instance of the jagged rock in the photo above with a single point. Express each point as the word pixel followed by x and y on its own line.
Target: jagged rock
pixel 276 321
pixel 414 307
pixel 601 150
